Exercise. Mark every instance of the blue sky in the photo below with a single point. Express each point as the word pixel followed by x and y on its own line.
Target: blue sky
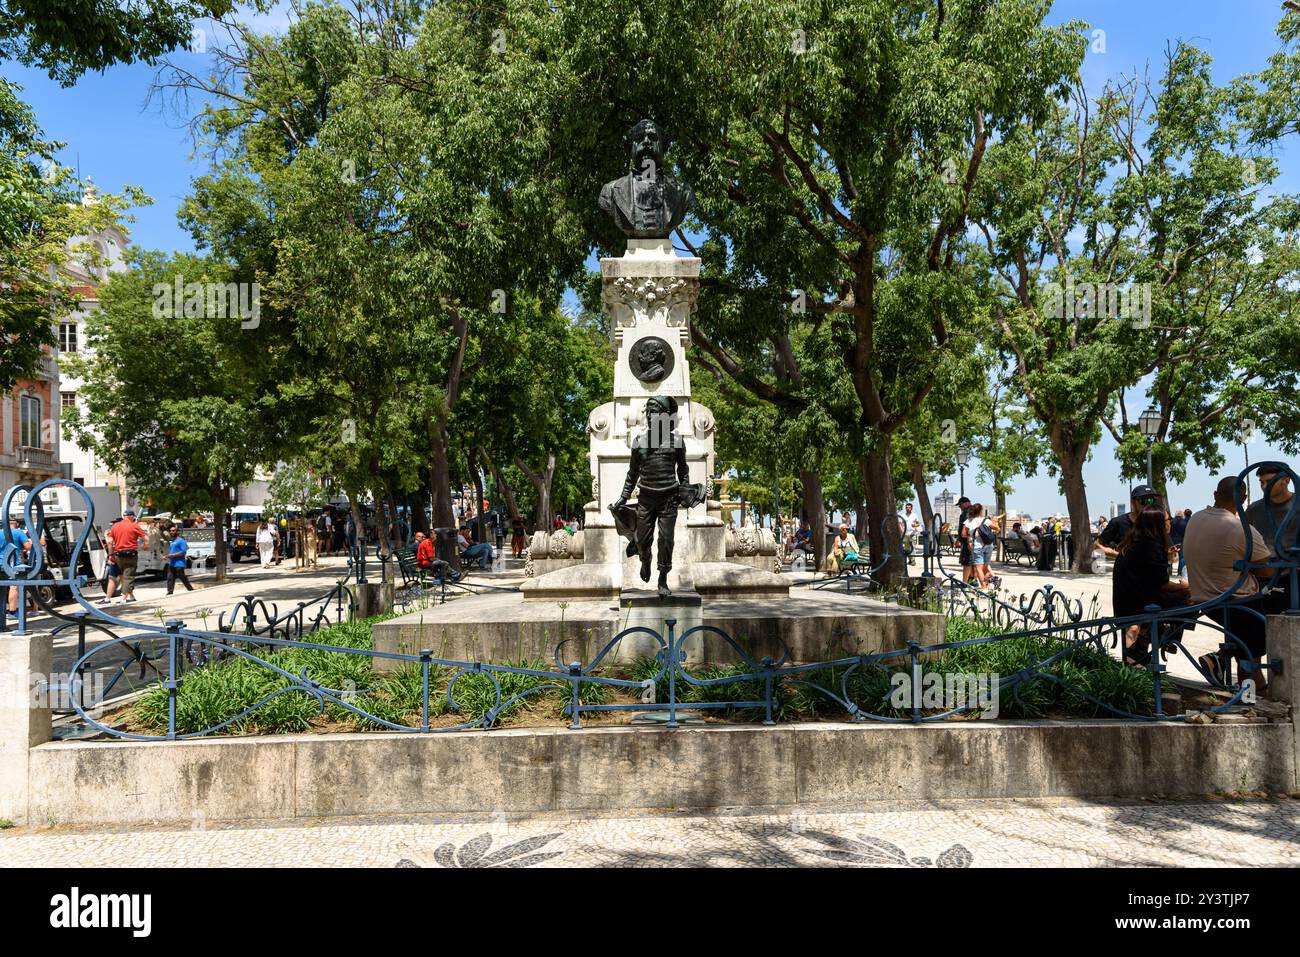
pixel 115 139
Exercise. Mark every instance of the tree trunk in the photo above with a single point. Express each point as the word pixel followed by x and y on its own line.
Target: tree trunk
pixel 922 494
pixel 1071 455
pixel 512 506
pixel 219 533
pixel 814 508
pixel 882 527
pixel 440 476
pixel 418 521
pixel 542 482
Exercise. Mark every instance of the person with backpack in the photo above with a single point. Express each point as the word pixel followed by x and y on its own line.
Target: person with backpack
pixel 979 530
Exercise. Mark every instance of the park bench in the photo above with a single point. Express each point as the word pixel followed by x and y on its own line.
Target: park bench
pixel 1016 551
pixel 414 575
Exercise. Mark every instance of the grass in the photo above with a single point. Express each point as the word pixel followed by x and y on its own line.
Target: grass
pixel 6 824
pixel 218 693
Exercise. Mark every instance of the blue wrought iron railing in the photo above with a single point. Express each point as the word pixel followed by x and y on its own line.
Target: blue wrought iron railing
pixel 1055 626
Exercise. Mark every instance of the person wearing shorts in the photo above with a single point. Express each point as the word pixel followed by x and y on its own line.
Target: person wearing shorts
pixel 125 538
pixel 111 576
pixel 964 544
pixel 981 553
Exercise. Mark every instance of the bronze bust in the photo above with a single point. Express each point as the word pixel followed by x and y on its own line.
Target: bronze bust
pixel 647 203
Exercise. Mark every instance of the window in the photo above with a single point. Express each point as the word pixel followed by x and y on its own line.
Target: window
pixel 67 400
pixel 68 336
pixel 29 432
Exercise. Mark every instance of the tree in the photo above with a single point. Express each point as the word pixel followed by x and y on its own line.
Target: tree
pixel 169 397
pixel 387 241
pixel 1106 247
pixel 41 212
pixel 68 37
pixel 833 148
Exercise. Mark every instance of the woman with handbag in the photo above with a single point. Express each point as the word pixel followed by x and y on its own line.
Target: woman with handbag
pixel 844 548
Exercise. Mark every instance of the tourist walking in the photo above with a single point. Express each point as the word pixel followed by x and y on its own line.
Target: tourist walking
pixel 518 537
pixel 177 560
pixel 265 544
pixel 124 541
pixel 982 538
pixel 16 541
pixel 1177 530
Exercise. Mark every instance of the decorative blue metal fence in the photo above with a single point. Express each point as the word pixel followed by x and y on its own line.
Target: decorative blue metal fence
pixel 1050 628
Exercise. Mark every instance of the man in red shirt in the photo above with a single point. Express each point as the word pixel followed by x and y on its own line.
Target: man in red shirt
pixel 424 553
pixel 124 540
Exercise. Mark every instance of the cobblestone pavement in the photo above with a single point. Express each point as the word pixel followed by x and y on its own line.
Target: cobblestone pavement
pixel 954 834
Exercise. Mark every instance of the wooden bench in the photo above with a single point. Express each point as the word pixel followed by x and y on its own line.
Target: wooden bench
pixel 413 575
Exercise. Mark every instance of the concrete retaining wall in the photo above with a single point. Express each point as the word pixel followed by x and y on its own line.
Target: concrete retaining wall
pixel 635 768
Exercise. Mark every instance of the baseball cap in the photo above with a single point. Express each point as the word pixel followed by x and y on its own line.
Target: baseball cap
pixel 1143 491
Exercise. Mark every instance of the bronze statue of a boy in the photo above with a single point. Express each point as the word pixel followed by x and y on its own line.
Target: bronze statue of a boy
pixel 659 474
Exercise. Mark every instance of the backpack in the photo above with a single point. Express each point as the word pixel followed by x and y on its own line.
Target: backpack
pixel 985 535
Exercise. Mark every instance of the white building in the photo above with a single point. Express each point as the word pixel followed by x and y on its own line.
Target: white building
pixel 83 465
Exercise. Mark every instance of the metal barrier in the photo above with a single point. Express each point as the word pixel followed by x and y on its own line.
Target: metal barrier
pixel 1052 627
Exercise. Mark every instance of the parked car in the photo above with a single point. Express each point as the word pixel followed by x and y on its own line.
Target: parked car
pixel 243 531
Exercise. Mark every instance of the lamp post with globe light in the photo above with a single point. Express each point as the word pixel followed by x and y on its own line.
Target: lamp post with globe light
pixel 1149 423
pixel 963 459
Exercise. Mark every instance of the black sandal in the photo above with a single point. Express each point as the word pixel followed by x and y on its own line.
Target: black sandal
pixel 1213 667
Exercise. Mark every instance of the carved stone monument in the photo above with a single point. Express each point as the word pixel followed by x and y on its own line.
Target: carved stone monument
pixel 649 294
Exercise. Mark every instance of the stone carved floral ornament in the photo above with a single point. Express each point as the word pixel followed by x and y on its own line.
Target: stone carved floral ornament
pixel 746 542
pixel 559 545
pixel 651 295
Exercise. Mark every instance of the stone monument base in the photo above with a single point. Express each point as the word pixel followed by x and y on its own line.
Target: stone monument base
pixel 505 627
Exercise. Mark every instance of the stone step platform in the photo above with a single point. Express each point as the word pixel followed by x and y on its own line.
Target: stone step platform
pixel 501 628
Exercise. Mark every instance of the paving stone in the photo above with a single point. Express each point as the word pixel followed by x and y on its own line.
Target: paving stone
pixel 1242 833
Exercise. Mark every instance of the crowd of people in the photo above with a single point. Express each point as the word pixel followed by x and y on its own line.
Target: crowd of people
pixel 1153 548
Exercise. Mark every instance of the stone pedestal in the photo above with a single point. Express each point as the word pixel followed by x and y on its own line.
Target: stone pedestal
pixel 1283 657
pixel 373 598
pixel 25 665
pixel 649 294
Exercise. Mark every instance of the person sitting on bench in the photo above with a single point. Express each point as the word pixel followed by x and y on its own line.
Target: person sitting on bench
pixel 424 551
pixel 471 552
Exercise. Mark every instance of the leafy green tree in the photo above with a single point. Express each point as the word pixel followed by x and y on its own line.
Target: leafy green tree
pixel 169 399
pixel 41 214
pixel 69 37
pixel 388 244
pixel 833 148
pixel 1106 225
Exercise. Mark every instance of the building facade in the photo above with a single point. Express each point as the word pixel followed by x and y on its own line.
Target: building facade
pixel 83 465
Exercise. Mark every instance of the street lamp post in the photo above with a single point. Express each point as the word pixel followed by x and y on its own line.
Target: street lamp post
pixel 963 459
pixel 1149 423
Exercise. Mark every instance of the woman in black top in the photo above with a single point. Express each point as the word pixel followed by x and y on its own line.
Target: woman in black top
pixel 1141 578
